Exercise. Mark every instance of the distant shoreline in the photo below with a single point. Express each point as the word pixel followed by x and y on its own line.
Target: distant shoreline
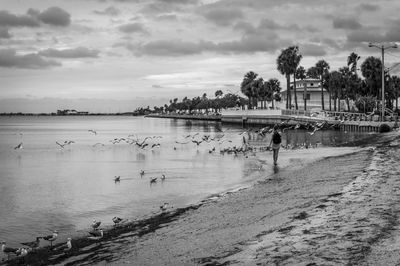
pixel 55 114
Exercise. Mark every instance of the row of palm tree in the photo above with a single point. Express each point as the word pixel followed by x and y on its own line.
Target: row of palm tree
pixel 221 101
pixel 342 84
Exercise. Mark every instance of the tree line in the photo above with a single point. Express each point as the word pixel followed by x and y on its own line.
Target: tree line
pixel 342 84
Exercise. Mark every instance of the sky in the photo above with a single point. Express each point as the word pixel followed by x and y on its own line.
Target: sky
pixel 117 55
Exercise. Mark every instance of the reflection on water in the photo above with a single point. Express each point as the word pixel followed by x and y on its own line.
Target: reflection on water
pixel 45 187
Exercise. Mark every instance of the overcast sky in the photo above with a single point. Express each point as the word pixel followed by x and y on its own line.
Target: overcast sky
pixel 80 53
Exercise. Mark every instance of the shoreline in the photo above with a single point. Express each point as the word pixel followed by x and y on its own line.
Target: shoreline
pixel 83 248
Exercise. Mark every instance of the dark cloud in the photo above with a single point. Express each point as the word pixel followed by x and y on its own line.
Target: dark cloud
pixel 223 16
pixel 309 49
pixel 11 20
pixel 55 16
pixel 369 7
pixel 109 11
pixel 4 34
pixel 79 52
pixel 346 23
pixel 10 59
pixel 133 28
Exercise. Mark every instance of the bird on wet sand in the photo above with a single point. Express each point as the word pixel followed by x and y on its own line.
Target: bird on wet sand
pixel 96 234
pixel 141 173
pixel 162 177
pixel 92 131
pixel 116 220
pixel 51 237
pixel 8 250
pixel 96 224
pixel 117 178
pixel 66 246
pixel 34 244
pixel 153 180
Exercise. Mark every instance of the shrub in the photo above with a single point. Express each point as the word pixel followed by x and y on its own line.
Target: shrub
pixel 384 128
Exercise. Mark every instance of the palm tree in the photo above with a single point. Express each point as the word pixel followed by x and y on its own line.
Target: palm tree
pixel 296 62
pixel 274 86
pixel 246 87
pixel 352 60
pixel 371 70
pixel 287 63
pixel 323 68
pixel 396 89
pixel 301 74
pixel 336 85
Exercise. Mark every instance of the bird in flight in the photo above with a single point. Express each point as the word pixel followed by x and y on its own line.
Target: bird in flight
pixel 92 131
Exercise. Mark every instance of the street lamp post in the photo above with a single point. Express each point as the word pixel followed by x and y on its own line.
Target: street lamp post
pixel 383 48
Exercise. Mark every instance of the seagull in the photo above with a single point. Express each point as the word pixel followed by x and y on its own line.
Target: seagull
pixel 67 246
pixel 96 224
pixel 117 178
pixel 61 145
pixel 164 206
pixel 34 244
pixel 96 234
pixel 21 252
pixel 92 131
pixel 19 146
pixel 153 180
pixel 116 220
pixel 51 238
pixel 162 177
pixel 197 142
pixel 141 173
pixel 7 250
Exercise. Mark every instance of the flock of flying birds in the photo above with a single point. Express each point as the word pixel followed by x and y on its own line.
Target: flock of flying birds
pixel 97 233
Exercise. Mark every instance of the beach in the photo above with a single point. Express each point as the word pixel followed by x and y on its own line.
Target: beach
pixel 327 209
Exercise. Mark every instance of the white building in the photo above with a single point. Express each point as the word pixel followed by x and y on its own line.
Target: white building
pixel 309 89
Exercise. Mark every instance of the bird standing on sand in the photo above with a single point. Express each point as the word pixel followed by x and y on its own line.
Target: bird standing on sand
pixel 116 220
pixel 34 244
pixel 51 238
pixel 153 180
pixel 141 173
pixel 96 234
pixel 96 224
pixel 162 177
pixel 67 246
pixel 117 178
pixel 8 250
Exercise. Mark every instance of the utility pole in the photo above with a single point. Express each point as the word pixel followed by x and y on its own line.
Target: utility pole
pixel 383 48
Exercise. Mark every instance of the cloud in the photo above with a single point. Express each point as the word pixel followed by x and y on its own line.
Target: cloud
pixel 250 43
pixel 172 48
pixel 222 16
pixel 79 52
pixel 55 16
pixel 133 28
pixel 11 20
pixel 346 23
pixel 369 7
pixel 4 34
pixel 10 59
pixel 110 11
pixel 310 49
pixel 168 17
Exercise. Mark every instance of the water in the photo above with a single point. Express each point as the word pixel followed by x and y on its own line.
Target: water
pixel 45 188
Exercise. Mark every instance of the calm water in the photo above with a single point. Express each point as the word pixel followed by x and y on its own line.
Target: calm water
pixel 44 187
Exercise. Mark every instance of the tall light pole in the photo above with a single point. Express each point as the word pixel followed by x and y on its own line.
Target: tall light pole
pixel 383 48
